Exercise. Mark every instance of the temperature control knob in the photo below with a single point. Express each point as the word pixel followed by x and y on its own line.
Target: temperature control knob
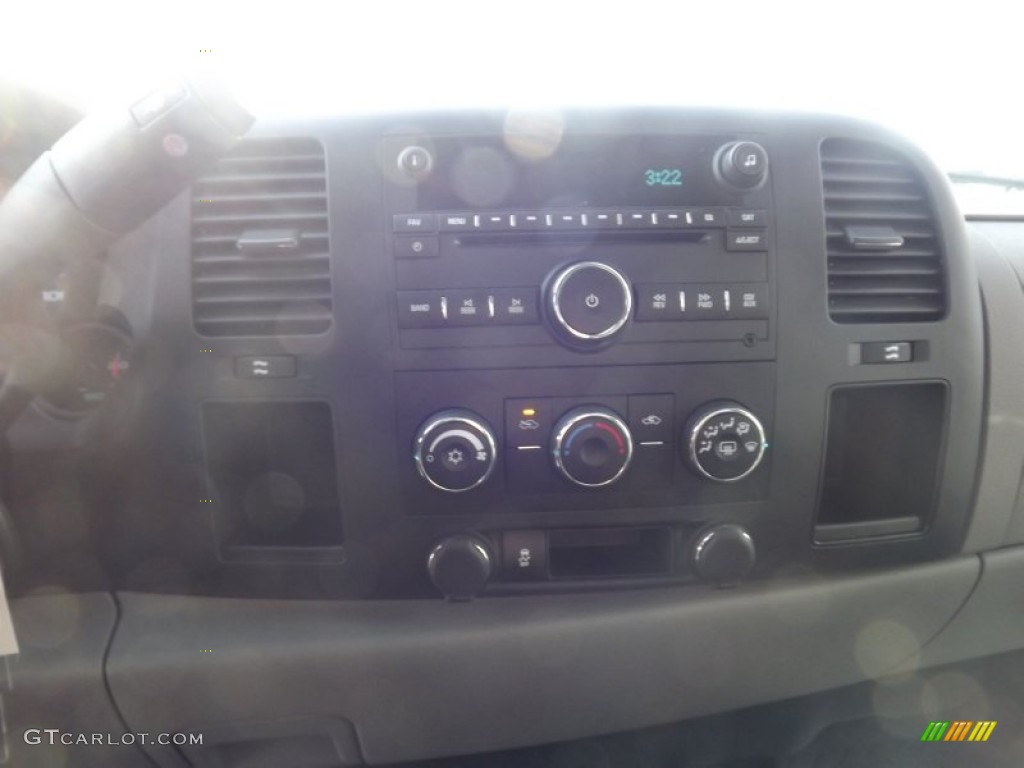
pixel 592 446
pixel 724 442
pixel 455 451
pixel 587 304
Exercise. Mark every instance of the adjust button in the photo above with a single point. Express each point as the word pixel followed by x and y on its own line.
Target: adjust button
pixel 746 240
pixel 420 309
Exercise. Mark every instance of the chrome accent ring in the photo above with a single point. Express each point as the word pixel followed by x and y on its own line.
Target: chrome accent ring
pixel 559 283
pixel 572 422
pixel 718 412
pixel 454 417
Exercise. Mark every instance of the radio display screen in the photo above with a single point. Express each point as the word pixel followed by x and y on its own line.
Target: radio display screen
pixel 478 173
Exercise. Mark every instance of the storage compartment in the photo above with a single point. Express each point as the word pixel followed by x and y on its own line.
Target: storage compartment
pixel 272 472
pixel 885 445
pixel 608 553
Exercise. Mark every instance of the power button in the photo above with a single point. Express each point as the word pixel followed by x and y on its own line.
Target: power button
pixel 415 162
pixel 588 302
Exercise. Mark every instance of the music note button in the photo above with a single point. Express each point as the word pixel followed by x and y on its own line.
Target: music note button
pixel 743 163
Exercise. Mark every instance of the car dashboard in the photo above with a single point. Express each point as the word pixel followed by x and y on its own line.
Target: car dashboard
pixel 417 435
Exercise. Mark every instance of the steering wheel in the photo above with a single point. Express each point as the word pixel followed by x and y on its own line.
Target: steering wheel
pixel 104 177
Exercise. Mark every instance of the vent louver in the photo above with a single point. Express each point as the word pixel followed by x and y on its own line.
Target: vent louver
pixel 885 261
pixel 260 249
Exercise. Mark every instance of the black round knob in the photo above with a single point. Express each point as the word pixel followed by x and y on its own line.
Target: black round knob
pixel 415 162
pixel 723 555
pixel 455 451
pixel 724 442
pixel 460 566
pixel 587 304
pixel 742 164
pixel 592 446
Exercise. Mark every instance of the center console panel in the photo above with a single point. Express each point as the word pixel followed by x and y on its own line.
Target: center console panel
pixel 590 351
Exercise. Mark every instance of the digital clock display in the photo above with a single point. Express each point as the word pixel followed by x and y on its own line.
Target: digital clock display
pixel 663 177
pixel 584 170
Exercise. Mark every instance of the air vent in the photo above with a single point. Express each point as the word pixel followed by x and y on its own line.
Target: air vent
pixel 885 261
pixel 260 249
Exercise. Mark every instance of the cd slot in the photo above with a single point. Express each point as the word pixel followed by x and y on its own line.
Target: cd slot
pixel 475 239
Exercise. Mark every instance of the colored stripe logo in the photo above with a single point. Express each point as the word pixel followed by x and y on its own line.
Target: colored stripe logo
pixel 959 730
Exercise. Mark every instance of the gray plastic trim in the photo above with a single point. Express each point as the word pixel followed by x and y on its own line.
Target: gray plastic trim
pixel 419 679
pixel 991 622
pixel 57 683
pixel 998 519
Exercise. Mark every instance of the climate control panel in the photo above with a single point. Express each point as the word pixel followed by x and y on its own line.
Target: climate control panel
pixel 586 444
pixel 590 446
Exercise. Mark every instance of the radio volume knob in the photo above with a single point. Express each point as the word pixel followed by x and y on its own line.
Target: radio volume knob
pixel 455 451
pixel 587 304
pixel 592 447
pixel 724 442
pixel 742 164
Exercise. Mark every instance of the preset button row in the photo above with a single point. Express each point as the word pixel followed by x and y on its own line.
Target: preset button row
pixel 662 218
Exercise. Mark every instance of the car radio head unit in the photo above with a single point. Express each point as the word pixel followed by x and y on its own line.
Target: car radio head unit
pixel 601 239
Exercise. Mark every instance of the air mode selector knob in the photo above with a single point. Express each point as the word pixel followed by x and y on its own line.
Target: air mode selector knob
pixel 592 446
pixel 455 451
pixel 587 304
pixel 724 442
